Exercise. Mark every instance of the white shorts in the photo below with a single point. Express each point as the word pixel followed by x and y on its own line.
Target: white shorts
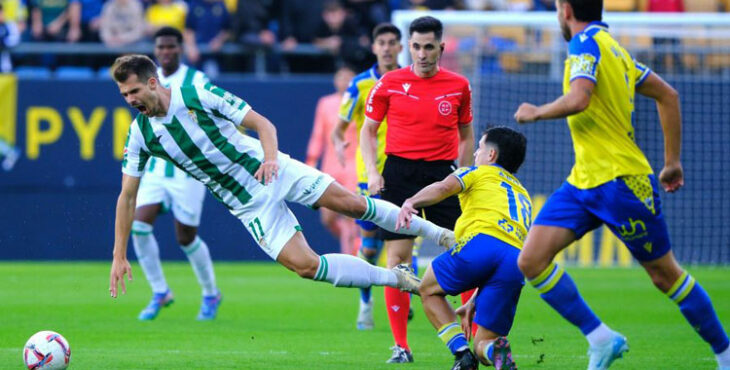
pixel 184 196
pixel 267 217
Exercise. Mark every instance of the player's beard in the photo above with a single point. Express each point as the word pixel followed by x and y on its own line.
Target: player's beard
pixel 565 30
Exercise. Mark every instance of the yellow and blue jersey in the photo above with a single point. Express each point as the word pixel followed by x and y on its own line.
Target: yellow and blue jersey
pixel 352 109
pixel 493 202
pixel 603 134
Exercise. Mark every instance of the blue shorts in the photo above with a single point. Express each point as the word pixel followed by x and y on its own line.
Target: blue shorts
pixel 362 189
pixel 630 206
pixel 491 265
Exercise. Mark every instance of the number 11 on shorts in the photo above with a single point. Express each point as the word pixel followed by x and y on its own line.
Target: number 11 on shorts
pixel 258 235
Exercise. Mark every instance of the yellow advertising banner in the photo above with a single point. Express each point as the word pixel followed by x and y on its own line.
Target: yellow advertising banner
pixel 8 107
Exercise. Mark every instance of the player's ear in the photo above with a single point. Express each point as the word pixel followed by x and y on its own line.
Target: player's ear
pixel 442 46
pixel 493 154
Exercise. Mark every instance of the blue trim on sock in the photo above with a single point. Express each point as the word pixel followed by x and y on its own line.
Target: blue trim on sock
pixel 369 242
pixel 565 298
pixel 457 342
pixel 697 309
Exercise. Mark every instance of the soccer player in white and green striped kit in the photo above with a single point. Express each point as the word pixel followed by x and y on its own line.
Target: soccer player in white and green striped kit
pixel 165 187
pixel 196 127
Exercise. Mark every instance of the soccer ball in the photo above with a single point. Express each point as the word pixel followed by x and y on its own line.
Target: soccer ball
pixel 46 350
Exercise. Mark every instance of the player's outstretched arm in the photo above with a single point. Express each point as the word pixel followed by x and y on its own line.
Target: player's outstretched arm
pixel 122 226
pixel 368 147
pixel 267 135
pixel 574 102
pixel 429 195
pixel 670 116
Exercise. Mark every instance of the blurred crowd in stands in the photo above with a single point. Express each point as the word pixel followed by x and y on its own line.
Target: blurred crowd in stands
pixel 313 35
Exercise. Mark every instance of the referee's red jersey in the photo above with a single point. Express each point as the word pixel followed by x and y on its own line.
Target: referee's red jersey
pixel 424 114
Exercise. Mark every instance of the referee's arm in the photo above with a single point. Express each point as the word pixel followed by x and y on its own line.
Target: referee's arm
pixel 466 145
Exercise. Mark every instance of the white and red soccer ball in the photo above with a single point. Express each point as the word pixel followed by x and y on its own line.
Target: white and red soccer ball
pixel 46 350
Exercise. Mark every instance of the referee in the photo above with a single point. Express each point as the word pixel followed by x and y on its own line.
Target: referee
pixel 429 127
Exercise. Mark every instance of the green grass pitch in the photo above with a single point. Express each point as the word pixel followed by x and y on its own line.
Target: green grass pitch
pixel 272 319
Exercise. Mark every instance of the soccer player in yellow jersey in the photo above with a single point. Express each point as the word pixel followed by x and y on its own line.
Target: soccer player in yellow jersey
pixel 496 214
pixel 386 47
pixel 611 183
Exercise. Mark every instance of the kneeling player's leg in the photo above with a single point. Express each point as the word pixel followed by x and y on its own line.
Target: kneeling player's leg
pixel 441 314
pixel 693 301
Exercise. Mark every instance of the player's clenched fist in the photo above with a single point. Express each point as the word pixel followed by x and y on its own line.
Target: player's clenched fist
pixel 375 183
pixel 526 113
pixel 672 177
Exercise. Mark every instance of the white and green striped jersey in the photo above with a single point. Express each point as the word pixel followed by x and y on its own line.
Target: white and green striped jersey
pixel 199 134
pixel 184 76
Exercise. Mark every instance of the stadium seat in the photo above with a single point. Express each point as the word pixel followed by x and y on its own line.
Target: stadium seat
pixel 33 72
pixel 506 40
pixel 721 59
pixel 704 6
pixel 103 73
pixel 620 5
pixel 519 5
pixel 72 72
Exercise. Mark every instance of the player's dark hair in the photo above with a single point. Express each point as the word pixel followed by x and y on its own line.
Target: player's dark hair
pixel 134 64
pixel 383 28
pixel 332 5
pixel 511 146
pixel 586 10
pixel 425 25
pixel 169 31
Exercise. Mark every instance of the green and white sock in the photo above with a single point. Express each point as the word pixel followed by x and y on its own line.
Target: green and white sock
pixel 148 255
pixel 385 215
pixel 199 257
pixel 344 270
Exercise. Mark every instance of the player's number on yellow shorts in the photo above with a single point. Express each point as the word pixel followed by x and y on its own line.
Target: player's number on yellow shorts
pixel 253 225
pixel 525 206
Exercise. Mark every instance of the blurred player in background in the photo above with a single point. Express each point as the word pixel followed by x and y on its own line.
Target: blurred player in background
pixel 611 183
pixel 320 150
pixel 9 155
pixel 197 128
pixel 386 47
pixel 429 128
pixel 496 214
pixel 165 187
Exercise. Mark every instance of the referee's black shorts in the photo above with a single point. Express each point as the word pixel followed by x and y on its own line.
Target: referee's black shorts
pixel 405 177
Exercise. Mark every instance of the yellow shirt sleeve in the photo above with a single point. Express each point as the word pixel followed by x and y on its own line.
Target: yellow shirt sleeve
pixel 465 175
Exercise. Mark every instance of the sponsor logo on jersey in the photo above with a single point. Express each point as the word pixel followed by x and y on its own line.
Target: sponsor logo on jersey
pixel 445 107
pixel 406 86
